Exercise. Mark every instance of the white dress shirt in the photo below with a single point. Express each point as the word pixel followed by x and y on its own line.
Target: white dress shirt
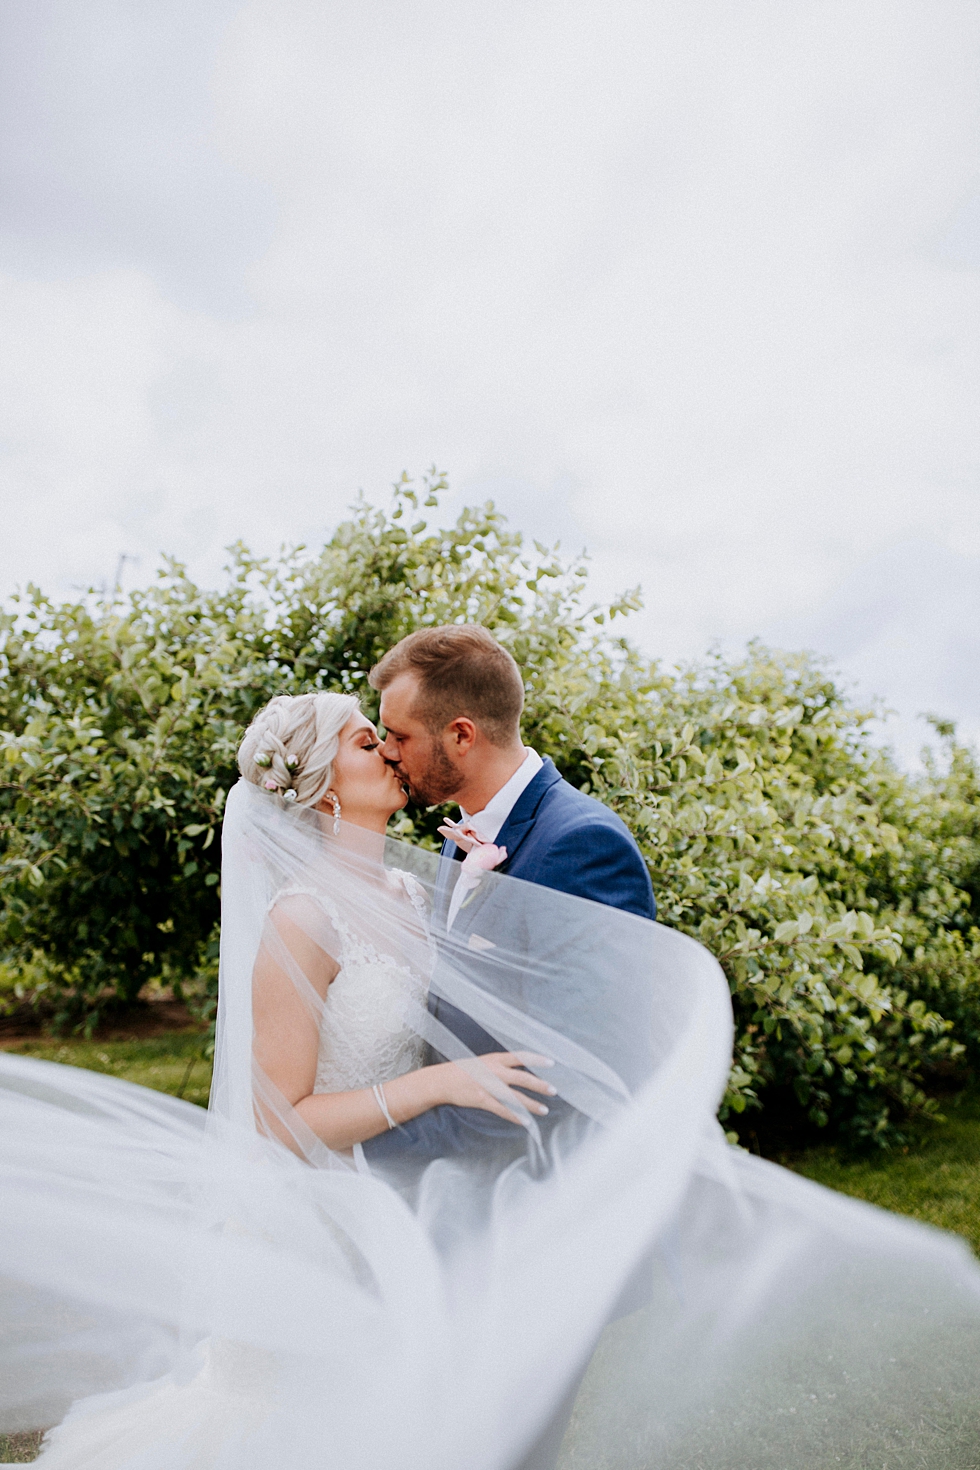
pixel 488 823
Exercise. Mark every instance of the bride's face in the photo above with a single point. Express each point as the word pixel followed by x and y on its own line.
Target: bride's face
pixel 367 788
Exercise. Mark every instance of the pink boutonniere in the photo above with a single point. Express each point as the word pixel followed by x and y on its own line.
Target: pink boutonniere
pixel 481 857
pixel 465 837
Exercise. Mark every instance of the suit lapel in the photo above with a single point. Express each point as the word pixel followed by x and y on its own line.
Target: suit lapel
pixel 524 811
pixel 511 835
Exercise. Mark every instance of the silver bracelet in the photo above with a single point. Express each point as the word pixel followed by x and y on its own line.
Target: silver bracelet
pixel 381 1100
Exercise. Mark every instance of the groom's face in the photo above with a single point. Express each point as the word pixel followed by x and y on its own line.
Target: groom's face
pixel 419 757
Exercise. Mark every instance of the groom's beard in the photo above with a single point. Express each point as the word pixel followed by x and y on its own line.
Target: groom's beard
pixel 438 781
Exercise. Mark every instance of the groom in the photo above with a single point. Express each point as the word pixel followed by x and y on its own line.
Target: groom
pixel 451 703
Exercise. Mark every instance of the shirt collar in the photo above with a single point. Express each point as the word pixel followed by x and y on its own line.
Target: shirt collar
pixel 493 816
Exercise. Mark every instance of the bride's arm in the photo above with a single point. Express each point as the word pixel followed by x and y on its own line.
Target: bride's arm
pixel 287 1038
pixel 345 1118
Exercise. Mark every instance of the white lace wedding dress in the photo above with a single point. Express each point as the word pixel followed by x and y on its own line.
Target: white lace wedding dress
pixel 365 1036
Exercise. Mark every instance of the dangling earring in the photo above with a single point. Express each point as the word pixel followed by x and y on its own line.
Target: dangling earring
pixel 336 815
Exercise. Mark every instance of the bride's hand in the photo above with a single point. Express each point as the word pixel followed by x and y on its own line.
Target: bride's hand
pixel 467 1085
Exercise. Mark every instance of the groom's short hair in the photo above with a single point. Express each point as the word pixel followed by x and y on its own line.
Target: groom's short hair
pixel 462 670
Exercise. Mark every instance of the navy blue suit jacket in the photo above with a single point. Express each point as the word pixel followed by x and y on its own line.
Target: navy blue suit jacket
pixel 560 838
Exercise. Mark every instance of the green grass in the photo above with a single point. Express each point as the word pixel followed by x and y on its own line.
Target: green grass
pixel 20 1449
pixel 173 1062
pixel 936 1178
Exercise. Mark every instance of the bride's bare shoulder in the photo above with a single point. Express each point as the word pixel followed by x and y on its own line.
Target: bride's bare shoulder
pixel 306 928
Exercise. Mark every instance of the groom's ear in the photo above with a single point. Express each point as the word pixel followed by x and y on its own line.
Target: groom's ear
pixel 461 735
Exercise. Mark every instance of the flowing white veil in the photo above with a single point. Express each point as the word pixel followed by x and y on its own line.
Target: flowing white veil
pixel 234 1293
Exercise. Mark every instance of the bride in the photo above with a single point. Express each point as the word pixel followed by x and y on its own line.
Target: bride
pixel 359 1071
pixel 244 1288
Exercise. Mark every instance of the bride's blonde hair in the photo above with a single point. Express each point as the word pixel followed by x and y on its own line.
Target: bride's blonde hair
pixel 291 744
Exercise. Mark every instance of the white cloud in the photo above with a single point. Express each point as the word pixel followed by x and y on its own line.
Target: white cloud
pixel 690 282
pixel 907 621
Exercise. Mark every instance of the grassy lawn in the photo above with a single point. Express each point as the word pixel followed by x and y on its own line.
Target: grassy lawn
pixel 173 1062
pixel 20 1449
pixel 936 1179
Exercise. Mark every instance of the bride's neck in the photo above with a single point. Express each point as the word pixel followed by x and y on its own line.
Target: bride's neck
pixel 362 840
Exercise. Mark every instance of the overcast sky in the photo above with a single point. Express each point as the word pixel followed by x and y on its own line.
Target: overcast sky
pixel 690 282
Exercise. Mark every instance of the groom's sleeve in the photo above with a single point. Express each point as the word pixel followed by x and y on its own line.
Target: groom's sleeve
pixel 602 862
pixel 445 1133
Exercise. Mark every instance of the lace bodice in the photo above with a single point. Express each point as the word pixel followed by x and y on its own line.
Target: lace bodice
pixel 365 1032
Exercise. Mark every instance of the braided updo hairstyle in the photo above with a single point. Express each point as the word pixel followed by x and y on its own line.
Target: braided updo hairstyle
pixel 290 746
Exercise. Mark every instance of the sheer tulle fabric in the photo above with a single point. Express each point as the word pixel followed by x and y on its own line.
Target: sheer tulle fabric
pixel 221 1289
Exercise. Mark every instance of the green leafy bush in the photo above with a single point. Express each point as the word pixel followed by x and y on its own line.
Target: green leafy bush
pixel 755 795
pixel 840 894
